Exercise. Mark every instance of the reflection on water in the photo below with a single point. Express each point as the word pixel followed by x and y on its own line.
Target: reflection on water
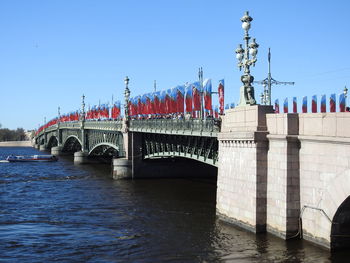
pixel 58 212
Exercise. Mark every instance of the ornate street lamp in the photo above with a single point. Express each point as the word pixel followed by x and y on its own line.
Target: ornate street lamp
pixel 244 61
pixel 82 116
pixel 127 96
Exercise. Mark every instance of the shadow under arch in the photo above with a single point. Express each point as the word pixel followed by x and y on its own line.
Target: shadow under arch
pixel 105 149
pixel 340 232
pixel 72 144
pixel 52 142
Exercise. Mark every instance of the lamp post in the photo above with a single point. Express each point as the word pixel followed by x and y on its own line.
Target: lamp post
pixel 345 91
pixel 268 82
pixel 127 96
pixel 250 49
pixel 58 126
pixel 201 92
pixel 262 98
pixel 82 116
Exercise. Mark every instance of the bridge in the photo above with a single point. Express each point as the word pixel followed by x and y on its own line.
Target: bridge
pixel 287 174
pixel 158 138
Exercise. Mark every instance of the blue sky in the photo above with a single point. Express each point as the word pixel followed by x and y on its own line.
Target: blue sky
pixel 52 52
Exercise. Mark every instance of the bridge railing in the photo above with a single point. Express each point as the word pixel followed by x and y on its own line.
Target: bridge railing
pixel 103 125
pixel 72 125
pixel 209 127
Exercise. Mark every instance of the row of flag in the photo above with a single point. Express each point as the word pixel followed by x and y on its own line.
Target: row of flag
pixel 96 112
pixel 178 100
pixel 104 112
pixel 323 108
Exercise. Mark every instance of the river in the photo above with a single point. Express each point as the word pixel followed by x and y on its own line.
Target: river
pixel 59 212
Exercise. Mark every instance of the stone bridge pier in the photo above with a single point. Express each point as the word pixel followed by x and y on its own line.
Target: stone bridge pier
pixel 287 174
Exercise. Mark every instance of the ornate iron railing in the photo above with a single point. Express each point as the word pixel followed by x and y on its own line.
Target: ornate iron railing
pixel 175 126
pixel 103 125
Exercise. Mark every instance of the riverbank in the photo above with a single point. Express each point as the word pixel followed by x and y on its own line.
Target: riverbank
pixel 16 144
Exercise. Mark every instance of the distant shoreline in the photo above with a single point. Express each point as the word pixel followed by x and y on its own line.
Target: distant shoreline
pixel 16 144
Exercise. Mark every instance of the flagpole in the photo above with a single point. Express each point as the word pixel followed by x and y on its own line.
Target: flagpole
pixel 200 76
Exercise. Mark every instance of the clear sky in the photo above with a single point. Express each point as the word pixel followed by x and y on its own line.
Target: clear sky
pixel 52 52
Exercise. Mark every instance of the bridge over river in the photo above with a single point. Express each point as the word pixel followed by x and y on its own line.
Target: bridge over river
pixel 288 174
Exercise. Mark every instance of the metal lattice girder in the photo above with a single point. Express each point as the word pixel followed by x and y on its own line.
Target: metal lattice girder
pixel 192 127
pixel 202 149
pixel 195 139
pixel 98 138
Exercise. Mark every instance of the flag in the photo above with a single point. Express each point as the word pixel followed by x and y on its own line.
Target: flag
pixel 342 102
pixel 168 105
pixel 157 106
pixel 207 94
pixel 196 96
pixel 314 104
pixel 162 102
pixel 188 98
pixel 304 105
pixel 180 98
pixel 332 103
pixel 323 103
pixel 277 106
pixel 221 96
pixel 173 101
pixel 295 108
pixel 285 105
pixel 216 112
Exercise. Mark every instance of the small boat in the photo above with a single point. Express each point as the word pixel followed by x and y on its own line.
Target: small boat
pixel 32 158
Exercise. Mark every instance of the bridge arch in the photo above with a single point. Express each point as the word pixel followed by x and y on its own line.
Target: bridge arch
pixel 332 220
pixel 72 144
pixel 192 157
pixel 104 148
pixel 52 142
pixel 338 194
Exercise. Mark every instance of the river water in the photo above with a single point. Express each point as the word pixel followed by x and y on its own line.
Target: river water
pixel 59 212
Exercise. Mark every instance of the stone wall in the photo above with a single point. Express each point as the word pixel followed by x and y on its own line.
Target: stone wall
pixel 298 163
pixel 324 171
pixel 283 182
pixel 242 170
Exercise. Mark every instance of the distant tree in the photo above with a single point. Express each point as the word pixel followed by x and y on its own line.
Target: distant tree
pixel 12 135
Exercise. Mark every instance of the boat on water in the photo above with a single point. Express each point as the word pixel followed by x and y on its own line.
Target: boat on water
pixel 32 158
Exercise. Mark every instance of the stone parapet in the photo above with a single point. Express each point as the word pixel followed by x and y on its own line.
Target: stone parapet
pixel 330 124
pixel 250 118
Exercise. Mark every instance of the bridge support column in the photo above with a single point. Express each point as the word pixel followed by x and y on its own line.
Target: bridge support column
pixel 57 150
pixel 242 167
pixel 42 147
pixel 122 168
pixel 283 182
pixel 81 158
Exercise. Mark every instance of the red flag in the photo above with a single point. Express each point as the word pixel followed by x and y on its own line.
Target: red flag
pixel 196 96
pixel 207 94
pixel 188 98
pixel 221 96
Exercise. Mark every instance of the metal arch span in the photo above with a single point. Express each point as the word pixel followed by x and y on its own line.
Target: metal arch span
pixel 53 141
pixel 67 147
pixel 116 147
pixel 203 149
